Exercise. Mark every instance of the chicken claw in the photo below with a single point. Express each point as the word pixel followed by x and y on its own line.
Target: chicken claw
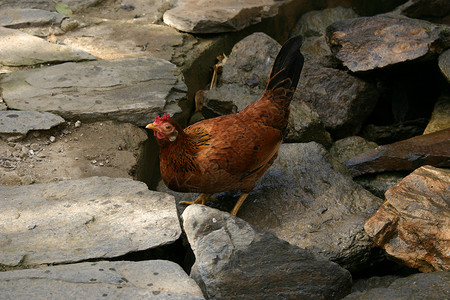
pixel 201 199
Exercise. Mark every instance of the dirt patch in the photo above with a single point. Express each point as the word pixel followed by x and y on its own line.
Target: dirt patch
pixel 73 151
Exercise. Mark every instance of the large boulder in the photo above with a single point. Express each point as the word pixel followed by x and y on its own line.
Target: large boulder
pixel 235 261
pixel 413 225
pixel 76 220
pixel 154 279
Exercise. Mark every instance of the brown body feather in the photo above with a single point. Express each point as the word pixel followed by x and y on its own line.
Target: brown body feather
pixel 232 152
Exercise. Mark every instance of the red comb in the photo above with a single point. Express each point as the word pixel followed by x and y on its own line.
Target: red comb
pixel 159 119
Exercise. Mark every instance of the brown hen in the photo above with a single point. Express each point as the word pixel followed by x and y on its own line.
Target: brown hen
pixel 231 152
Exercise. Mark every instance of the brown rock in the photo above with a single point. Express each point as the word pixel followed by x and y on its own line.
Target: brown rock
pixel 429 149
pixel 369 43
pixel 413 225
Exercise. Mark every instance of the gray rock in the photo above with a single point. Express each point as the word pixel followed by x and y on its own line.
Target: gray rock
pixel 244 78
pixel 304 201
pixel 235 261
pixel 214 17
pixel 349 147
pixel 111 39
pixel 378 184
pixel 368 43
pixel 431 286
pixel 15 122
pixel 21 49
pixel 93 218
pixel 342 100
pixel 26 17
pixel 155 279
pixel 315 23
pixel 132 90
pixel 75 5
pixel 444 64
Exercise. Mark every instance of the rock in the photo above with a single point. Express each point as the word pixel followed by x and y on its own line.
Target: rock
pixel 312 26
pixel 303 200
pixel 244 78
pixel 132 90
pixel 349 147
pixel 21 49
pixel 212 17
pixel 439 119
pixel 430 149
pixel 155 279
pixel 26 17
pixel 432 286
pixel 93 218
pixel 444 64
pixel 19 123
pixel 235 261
pixel 315 23
pixel 114 40
pixel 118 150
pixel 305 126
pixel 75 5
pixel 379 183
pixel 432 10
pixel 364 284
pixel 391 133
pixel 369 43
pixel 136 11
pixel 413 224
pixel 342 101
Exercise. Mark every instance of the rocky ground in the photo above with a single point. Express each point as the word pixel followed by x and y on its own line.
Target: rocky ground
pixel 356 206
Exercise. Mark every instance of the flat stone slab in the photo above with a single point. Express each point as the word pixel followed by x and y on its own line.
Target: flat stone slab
pixel 407 155
pixel 49 5
pixel 114 39
pixel 369 43
pixel 92 218
pixel 21 49
pixel 132 90
pixel 224 16
pixel 21 17
pixel 155 279
pixel 21 122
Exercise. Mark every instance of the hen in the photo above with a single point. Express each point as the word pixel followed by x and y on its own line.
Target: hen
pixel 231 152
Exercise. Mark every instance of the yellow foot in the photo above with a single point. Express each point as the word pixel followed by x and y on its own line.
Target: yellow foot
pixel 201 199
pixel 238 204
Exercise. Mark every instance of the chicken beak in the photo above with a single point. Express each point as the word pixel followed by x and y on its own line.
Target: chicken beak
pixel 153 127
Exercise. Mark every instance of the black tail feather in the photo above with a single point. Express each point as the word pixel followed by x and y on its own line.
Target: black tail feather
pixel 288 66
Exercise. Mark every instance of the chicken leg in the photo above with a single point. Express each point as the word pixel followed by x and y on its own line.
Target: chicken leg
pixel 238 204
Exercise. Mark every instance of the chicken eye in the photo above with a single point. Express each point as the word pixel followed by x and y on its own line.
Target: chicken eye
pixel 167 126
